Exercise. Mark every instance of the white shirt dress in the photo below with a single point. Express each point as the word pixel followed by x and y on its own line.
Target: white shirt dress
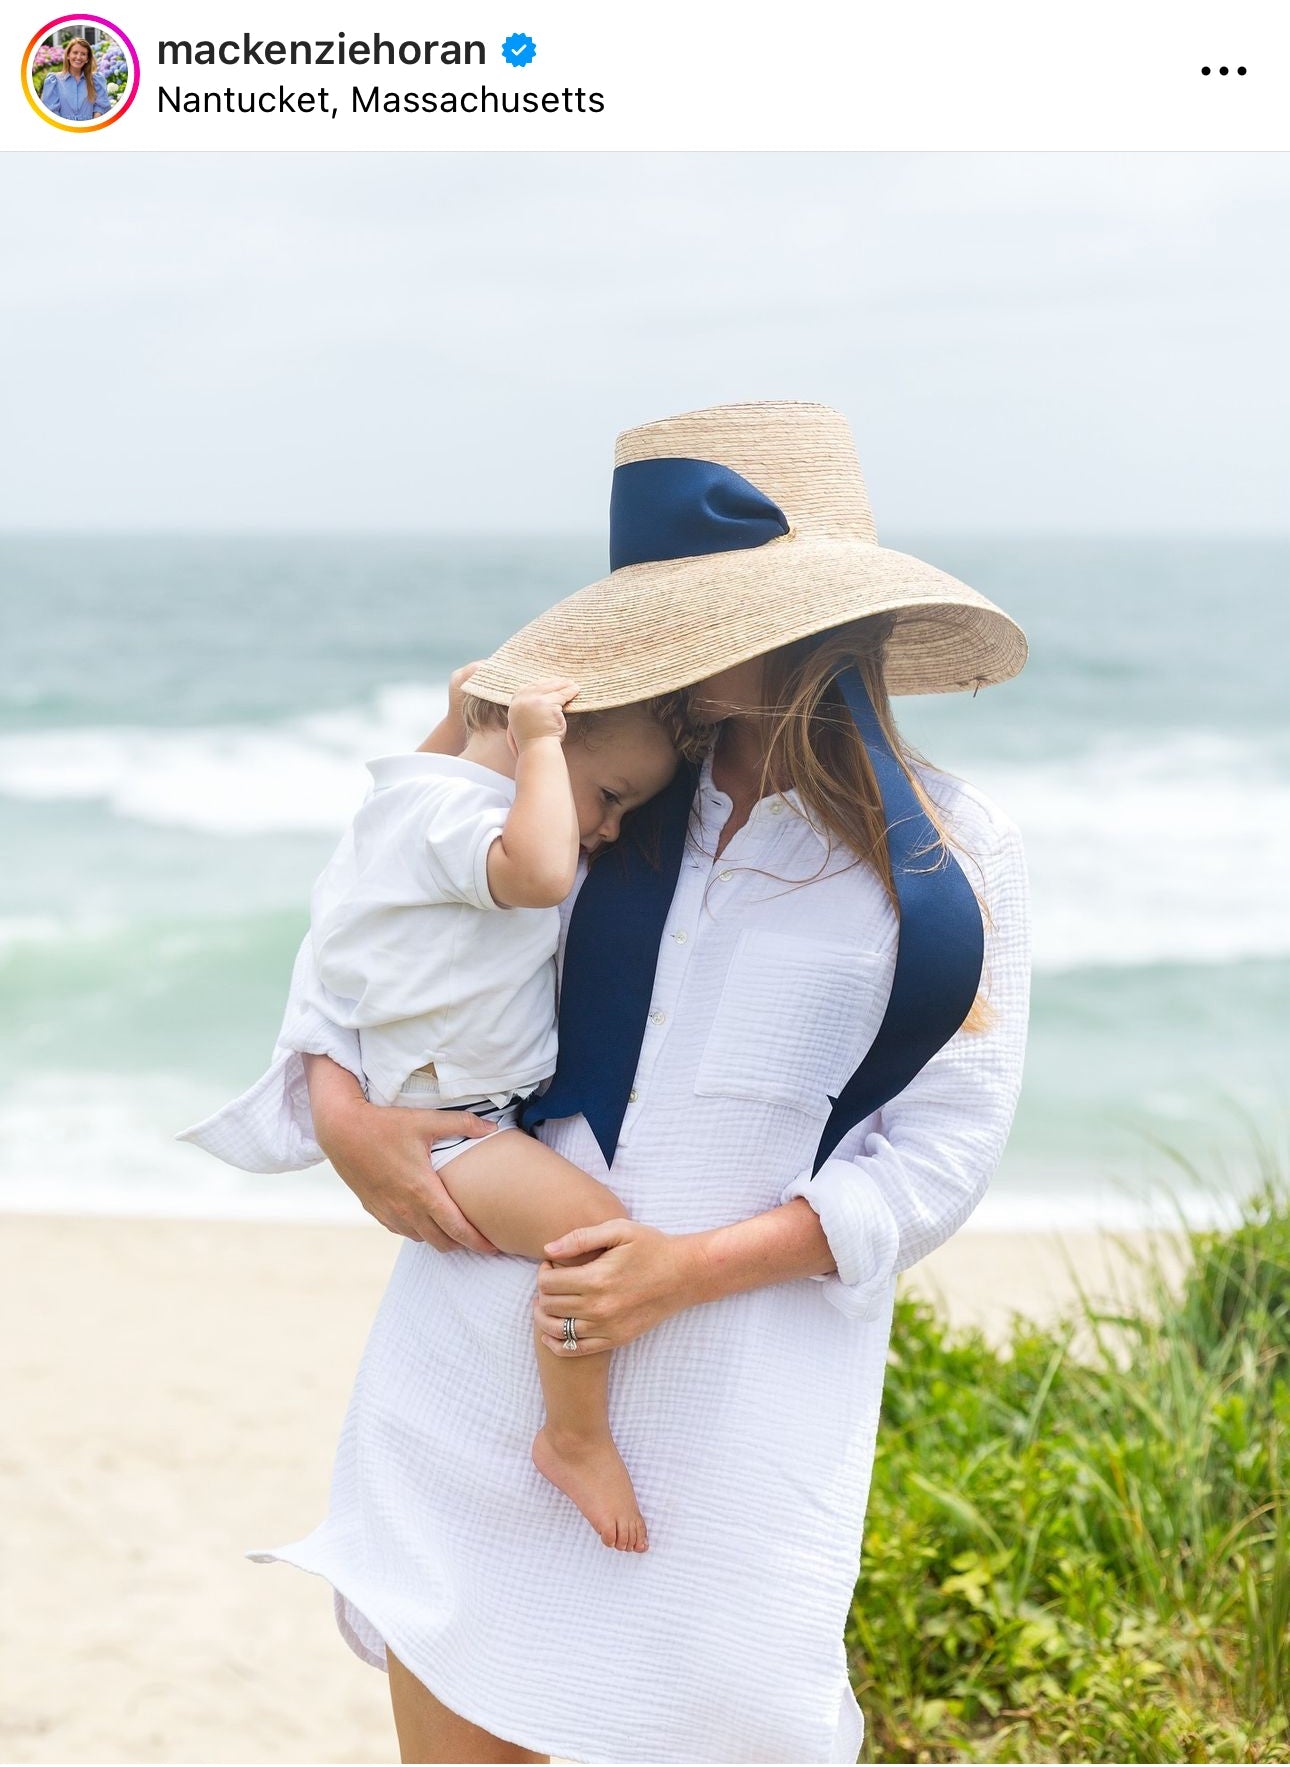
pixel 748 1423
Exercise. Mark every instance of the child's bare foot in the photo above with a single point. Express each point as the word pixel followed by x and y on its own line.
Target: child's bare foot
pixel 591 1472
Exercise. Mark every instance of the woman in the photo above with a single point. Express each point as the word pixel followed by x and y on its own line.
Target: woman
pixel 778 1100
pixel 76 94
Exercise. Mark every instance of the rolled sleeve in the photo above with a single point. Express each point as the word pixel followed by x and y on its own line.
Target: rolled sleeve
pixel 484 897
pixel 922 1163
pixel 269 1127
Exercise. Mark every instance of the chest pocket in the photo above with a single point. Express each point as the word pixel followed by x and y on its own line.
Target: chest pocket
pixel 793 1021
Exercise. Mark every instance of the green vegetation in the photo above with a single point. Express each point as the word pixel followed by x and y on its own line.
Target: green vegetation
pixel 1088 1559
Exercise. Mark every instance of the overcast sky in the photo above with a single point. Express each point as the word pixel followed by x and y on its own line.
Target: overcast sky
pixel 1080 342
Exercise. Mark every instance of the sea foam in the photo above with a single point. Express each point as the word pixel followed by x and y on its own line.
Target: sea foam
pixel 1139 852
pixel 305 775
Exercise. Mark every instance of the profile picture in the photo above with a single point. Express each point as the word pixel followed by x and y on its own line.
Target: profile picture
pixel 80 72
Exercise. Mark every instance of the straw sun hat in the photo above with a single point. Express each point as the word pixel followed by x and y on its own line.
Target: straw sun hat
pixel 734 530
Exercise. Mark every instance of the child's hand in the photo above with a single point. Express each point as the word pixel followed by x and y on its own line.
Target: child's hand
pixel 538 711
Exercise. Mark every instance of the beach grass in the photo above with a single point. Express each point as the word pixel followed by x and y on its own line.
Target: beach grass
pixel 1086 1556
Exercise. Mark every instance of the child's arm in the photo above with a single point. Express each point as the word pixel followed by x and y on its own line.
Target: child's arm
pixel 449 735
pixel 533 862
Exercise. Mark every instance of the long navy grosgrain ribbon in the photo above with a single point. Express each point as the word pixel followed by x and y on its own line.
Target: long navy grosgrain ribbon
pixel 674 507
pixel 941 946
pixel 610 955
pixel 611 951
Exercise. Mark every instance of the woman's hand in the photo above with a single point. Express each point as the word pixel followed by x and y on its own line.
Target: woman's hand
pixel 383 1154
pixel 457 686
pixel 641 1277
pixel 450 735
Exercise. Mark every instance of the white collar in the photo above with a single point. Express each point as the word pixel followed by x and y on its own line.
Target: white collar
pixel 708 786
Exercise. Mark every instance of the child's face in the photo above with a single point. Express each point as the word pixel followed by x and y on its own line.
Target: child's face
pixel 626 762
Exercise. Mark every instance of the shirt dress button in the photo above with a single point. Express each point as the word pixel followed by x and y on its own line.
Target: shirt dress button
pixel 680 937
pixel 655 1018
pixel 725 876
pixel 632 1096
pixel 777 809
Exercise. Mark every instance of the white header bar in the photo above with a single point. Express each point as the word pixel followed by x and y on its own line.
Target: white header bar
pixel 533 75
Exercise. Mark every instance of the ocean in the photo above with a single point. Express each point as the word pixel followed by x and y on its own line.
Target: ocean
pixel 184 721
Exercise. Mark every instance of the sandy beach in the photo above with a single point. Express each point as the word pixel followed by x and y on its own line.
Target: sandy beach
pixel 172 1394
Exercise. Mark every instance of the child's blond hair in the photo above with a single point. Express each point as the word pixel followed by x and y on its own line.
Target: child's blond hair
pixel 687 735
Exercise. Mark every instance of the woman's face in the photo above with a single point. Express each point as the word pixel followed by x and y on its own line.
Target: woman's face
pixel 729 692
pixel 76 57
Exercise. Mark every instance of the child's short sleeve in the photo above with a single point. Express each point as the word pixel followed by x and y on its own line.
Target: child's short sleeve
pixel 456 840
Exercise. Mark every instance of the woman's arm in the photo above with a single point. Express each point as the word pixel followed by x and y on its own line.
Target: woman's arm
pixel 893 1193
pixel 383 1154
pixel 644 1275
pixel 785 1242
pixel 51 94
pixel 887 1198
pixel 449 735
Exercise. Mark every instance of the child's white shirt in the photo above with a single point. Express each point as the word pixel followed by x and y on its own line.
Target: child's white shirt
pixel 413 952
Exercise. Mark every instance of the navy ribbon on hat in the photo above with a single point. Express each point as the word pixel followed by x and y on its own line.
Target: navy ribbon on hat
pixel 674 507
pixel 679 508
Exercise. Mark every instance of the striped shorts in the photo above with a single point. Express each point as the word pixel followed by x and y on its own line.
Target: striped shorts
pixel 421 1092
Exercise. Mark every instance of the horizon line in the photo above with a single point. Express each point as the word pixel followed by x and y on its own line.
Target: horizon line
pixel 588 536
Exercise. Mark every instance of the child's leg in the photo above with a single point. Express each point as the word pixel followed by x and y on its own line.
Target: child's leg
pixel 522 1194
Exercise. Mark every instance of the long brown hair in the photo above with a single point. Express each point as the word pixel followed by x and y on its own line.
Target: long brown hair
pixel 813 748
pixel 87 72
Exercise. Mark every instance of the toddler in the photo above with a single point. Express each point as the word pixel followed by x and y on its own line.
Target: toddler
pixel 435 928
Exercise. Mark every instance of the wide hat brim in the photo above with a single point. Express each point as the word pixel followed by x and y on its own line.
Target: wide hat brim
pixel 652 628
